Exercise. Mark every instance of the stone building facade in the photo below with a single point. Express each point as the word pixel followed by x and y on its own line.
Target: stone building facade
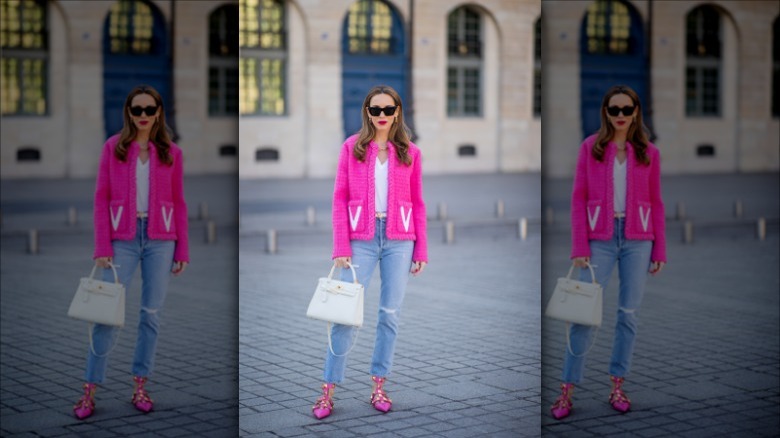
pixel 466 72
pixel 68 65
pixel 709 70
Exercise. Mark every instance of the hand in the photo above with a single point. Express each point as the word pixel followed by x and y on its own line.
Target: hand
pixel 418 267
pixel 179 267
pixel 656 266
pixel 581 262
pixel 103 262
pixel 342 262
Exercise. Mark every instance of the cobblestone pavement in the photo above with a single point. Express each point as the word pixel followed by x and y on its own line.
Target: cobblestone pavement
pixel 194 384
pixel 707 356
pixel 467 357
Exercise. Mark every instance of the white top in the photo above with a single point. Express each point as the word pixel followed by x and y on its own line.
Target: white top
pixel 619 183
pixel 380 186
pixel 142 186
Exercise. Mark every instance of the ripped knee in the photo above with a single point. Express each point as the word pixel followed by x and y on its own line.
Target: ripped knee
pixel 627 311
pixel 387 310
pixel 149 310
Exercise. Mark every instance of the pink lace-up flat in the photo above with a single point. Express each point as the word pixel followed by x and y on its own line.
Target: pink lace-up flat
pixel 617 398
pixel 85 406
pixel 379 398
pixel 562 406
pixel 141 399
pixel 324 405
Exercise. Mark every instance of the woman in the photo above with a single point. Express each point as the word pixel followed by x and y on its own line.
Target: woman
pixel 378 217
pixel 617 217
pixel 140 218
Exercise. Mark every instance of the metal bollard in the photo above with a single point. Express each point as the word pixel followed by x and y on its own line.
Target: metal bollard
pixel 270 242
pixel 680 210
pixel 311 217
pixel 500 208
pixel 522 228
pixel 549 216
pixel 688 232
pixel 738 209
pixel 449 232
pixel 203 211
pixel 442 211
pixel 761 229
pixel 211 232
pixel 32 242
pixel 72 216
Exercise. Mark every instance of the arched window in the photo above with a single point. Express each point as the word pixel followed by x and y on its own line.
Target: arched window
pixel 263 63
pixel 369 27
pixel 131 28
pixel 223 61
pixel 608 28
pixel 538 68
pixel 464 62
pixel 776 68
pixel 703 62
pixel 24 40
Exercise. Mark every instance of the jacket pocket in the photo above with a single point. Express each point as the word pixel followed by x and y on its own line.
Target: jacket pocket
pixel 644 219
pixel 118 216
pixel 166 221
pixel 405 221
pixel 356 213
pixel 595 213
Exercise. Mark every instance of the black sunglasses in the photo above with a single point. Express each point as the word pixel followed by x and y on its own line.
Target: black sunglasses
pixel 375 110
pixel 137 110
pixel 614 110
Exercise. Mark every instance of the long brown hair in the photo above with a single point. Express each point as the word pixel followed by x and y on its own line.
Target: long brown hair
pixel 158 135
pixel 399 132
pixel 636 131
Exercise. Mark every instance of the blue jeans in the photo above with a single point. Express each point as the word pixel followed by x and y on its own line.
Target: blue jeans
pixel 633 260
pixel 395 261
pixel 156 259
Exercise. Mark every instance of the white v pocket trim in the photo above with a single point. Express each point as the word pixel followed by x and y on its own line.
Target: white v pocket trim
pixel 167 218
pixel 115 219
pixel 406 217
pixel 645 217
pixel 592 219
pixel 353 220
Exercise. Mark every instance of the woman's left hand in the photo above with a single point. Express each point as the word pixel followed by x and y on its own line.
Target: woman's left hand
pixel 418 267
pixel 655 267
pixel 179 267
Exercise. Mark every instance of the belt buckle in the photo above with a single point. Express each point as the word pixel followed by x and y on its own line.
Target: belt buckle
pixel 379 215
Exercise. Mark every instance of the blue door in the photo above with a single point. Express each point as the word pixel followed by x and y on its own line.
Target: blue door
pixel 135 52
pixel 373 53
pixel 612 52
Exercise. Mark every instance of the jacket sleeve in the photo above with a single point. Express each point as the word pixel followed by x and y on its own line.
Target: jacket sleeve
pixel 579 200
pixel 341 246
pixel 659 214
pixel 103 246
pixel 182 251
pixel 420 253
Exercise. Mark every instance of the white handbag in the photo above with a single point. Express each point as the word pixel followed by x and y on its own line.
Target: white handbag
pixel 99 301
pixel 577 302
pixel 338 302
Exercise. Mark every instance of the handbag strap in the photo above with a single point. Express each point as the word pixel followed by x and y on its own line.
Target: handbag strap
pixel 116 276
pixel 354 274
pixel 568 341
pixel 592 273
pixel 92 343
pixel 330 343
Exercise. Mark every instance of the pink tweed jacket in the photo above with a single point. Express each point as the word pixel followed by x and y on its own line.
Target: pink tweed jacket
pixel 592 208
pixel 353 200
pixel 115 209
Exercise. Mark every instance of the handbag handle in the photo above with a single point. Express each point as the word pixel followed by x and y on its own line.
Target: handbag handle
pixel 94 268
pixel 354 274
pixel 592 273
